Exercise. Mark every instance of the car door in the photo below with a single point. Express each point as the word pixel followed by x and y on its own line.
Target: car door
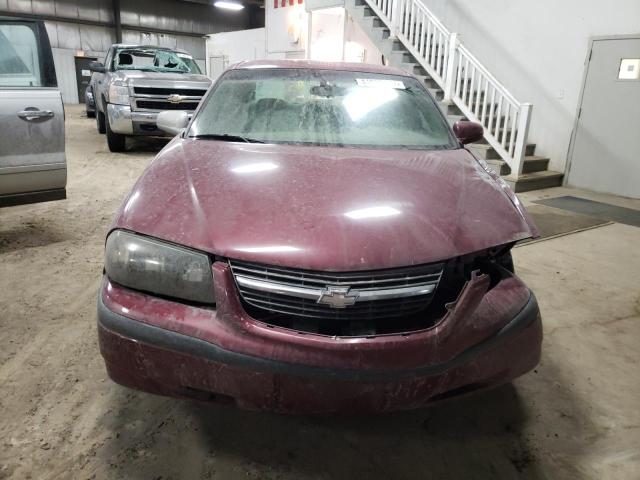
pixel 32 156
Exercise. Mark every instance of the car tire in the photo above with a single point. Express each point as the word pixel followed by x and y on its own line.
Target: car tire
pixel 91 114
pixel 116 141
pixel 100 122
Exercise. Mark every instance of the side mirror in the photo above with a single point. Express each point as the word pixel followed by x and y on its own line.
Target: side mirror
pixel 97 67
pixel 172 121
pixel 468 132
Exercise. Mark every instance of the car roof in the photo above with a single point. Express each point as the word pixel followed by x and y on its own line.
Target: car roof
pixel 316 65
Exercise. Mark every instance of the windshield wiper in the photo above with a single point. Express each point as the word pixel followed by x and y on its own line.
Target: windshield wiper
pixel 226 137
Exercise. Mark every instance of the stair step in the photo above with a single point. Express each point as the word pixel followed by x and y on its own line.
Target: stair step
pixel 532 164
pixel 436 93
pixel 412 68
pixel 401 56
pixel 535 181
pixel 382 32
pixel 487 152
pixel 535 163
pixel 368 12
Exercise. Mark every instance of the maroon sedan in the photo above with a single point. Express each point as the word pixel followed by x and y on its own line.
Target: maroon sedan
pixel 317 239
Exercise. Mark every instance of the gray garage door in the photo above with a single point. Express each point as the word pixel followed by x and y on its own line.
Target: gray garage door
pixel 606 152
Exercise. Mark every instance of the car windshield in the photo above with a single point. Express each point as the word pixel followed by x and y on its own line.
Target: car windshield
pixel 154 60
pixel 322 107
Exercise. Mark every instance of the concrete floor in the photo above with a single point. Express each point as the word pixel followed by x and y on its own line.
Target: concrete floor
pixel 576 416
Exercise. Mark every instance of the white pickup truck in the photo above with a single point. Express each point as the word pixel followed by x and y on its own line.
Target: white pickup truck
pixel 136 82
pixel 33 166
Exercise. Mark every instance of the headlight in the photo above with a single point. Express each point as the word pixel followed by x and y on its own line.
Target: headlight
pixel 153 266
pixel 119 92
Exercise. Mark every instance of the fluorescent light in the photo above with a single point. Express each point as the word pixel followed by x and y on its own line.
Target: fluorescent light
pixel 228 5
pixel 373 212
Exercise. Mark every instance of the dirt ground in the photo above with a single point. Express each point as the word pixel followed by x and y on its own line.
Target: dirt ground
pixel 576 416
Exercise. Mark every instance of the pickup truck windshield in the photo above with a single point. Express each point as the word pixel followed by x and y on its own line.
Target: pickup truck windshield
pixel 322 107
pixel 154 60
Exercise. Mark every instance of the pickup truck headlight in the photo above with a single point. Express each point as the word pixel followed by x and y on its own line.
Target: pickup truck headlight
pixel 119 92
pixel 150 265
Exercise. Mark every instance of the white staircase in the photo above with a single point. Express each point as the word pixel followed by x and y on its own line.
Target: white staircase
pixel 412 38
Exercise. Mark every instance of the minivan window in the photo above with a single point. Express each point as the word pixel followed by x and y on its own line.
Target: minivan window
pixel 323 107
pixel 19 56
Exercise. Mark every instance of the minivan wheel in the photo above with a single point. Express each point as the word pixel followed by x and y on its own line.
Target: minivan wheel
pixel 100 121
pixel 116 141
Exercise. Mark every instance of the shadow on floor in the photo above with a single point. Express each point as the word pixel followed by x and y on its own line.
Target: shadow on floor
pixel 35 233
pixel 146 144
pixel 478 436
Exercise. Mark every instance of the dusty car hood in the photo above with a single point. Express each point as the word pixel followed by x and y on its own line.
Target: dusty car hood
pixel 138 75
pixel 321 208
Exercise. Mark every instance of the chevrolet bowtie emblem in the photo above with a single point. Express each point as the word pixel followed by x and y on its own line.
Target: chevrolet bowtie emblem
pixel 338 297
pixel 175 98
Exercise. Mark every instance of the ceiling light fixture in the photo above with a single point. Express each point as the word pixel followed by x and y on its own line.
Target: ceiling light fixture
pixel 228 5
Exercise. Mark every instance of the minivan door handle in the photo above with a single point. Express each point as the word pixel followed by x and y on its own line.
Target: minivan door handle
pixel 32 115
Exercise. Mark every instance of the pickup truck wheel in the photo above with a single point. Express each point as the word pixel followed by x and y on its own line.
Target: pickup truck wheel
pixel 116 141
pixel 100 121
pixel 91 113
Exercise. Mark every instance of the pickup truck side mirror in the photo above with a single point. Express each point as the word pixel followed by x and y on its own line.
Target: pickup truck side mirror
pixel 468 132
pixel 172 121
pixel 97 67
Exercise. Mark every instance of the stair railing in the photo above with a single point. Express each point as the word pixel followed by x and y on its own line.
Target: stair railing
pixel 464 80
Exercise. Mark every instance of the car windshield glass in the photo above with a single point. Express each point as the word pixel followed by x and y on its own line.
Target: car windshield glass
pixel 323 107
pixel 19 56
pixel 154 60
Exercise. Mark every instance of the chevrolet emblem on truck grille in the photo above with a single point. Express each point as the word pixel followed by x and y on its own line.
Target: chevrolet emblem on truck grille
pixel 175 98
pixel 338 297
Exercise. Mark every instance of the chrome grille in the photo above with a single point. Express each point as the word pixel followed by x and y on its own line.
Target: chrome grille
pixel 169 91
pixel 381 294
pixel 151 98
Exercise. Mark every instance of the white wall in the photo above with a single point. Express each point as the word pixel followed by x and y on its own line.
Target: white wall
pixel 354 33
pixel 286 30
pixel 537 49
pixel 236 46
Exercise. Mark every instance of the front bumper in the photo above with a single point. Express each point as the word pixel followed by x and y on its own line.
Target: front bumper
pixel 127 122
pixel 173 349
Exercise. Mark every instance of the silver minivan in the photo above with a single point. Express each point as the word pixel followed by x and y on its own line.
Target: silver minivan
pixel 32 157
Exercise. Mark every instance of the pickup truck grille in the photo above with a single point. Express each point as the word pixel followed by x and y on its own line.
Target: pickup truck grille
pixel 342 303
pixel 151 98
pixel 160 105
pixel 169 91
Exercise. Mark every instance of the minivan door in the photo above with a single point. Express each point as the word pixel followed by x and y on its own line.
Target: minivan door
pixel 32 156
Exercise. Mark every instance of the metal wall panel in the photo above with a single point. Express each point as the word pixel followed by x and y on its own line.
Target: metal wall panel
pixel 52 31
pixel 22 6
pixel 105 11
pixel 79 37
pixel 68 36
pixel 68 9
pixel 66 73
pixel 65 64
pixel 95 38
pixel 195 46
pixel 43 7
